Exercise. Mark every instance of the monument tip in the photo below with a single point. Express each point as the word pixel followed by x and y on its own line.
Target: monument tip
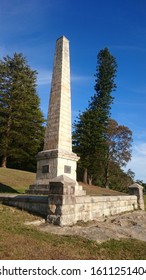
pixel 62 37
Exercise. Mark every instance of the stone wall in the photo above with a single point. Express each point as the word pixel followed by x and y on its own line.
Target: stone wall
pixel 67 210
pixel 67 203
pixel 32 204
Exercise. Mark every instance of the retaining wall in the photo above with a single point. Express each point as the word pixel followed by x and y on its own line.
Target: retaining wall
pixel 33 204
pixel 67 210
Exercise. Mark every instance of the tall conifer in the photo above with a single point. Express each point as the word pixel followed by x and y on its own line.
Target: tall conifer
pixel 89 137
pixel 21 121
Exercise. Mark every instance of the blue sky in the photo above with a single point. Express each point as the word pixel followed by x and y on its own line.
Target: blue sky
pixel 32 27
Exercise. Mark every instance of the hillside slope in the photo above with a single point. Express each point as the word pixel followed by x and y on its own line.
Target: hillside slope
pixel 12 180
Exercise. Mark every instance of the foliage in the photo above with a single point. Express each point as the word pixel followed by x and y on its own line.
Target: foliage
pixel 144 186
pixel 100 141
pixel 104 85
pixel 119 138
pixel 21 129
pixel 90 130
pixel 118 179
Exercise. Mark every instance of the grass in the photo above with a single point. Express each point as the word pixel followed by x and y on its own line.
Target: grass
pixel 17 181
pixel 94 190
pixel 19 241
pixel 12 180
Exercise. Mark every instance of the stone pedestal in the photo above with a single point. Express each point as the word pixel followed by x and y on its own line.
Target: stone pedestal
pixel 53 163
pixel 137 190
pixel 62 200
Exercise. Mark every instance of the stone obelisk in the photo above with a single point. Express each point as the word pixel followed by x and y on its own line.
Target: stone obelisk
pixel 58 131
pixel 57 157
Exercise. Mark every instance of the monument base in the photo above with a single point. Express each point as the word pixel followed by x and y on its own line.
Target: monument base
pixel 51 164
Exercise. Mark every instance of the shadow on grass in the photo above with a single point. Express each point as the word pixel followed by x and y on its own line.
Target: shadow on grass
pixel 7 189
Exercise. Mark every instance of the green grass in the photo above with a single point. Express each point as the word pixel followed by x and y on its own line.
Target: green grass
pixel 19 241
pixel 12 180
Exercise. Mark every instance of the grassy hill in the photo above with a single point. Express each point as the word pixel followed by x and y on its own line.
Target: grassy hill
pixel 12 180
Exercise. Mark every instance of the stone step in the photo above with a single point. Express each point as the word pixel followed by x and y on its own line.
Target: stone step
pixel 38 187
pixel 46 192
pixel 38 191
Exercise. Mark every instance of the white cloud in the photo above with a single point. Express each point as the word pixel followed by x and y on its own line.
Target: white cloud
pixel 44 77
pixel 140 149
pixel 78 78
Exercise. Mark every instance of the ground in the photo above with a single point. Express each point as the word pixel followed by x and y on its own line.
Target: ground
pixel 128 225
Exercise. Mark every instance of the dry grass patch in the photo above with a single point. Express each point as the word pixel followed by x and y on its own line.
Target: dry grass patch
pixel 19 241
pixel 94 190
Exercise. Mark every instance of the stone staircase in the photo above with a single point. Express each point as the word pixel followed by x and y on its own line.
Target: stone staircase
pixel 63 180
pixel 38 189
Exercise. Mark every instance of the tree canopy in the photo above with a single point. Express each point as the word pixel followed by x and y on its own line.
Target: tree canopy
pixel 21 120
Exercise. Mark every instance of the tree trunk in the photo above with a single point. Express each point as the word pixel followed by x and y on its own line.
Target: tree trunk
pixel 106 178
pixel 85 176
pixel 4 162
pixel 90 180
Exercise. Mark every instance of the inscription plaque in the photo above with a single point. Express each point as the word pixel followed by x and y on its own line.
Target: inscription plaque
pixel 67 169
pixel 45 169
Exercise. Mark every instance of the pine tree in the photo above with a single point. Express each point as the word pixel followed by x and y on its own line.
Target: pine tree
pixel 89 136
pixel 103 145
pixel 21 121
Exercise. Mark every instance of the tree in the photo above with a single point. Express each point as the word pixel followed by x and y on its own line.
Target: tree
pixel 21 121
pixel 89 136
pixel 119 180
pixel 119 139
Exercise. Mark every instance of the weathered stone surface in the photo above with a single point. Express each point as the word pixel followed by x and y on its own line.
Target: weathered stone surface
pixel 136 189
pixel 58 132
pixel 129 225
pixel 34 204
pixel 88 208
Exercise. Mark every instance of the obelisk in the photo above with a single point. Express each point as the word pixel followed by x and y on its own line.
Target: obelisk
pixel 58 131
pixel 57 157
